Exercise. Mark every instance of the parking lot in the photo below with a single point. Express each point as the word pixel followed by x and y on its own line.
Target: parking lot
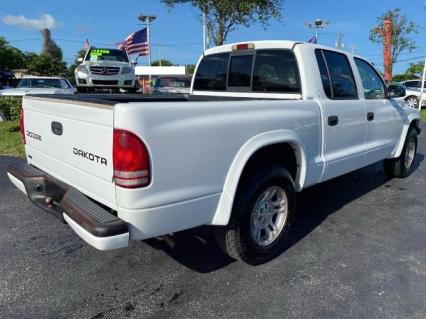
pixel 357 251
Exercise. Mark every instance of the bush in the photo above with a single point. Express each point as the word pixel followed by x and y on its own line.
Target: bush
pixel 10 107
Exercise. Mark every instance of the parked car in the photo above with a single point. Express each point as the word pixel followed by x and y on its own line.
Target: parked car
pixel 40 85
pixel 413 92
pixel 172 85
pixel 105 69
pixel 264 121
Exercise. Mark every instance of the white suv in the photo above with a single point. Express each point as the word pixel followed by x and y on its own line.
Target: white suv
pixel 105 69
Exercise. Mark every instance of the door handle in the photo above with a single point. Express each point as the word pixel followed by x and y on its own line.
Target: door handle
pixel 333 120
pixel 370 116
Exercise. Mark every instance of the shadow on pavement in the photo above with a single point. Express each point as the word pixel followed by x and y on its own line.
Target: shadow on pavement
pixel 197 248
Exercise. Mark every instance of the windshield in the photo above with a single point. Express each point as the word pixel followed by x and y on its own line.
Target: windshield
pixel 173 82
pixel 40 83
pixel 95 55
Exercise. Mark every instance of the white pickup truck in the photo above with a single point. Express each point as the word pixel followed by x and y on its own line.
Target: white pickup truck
pixel 264 121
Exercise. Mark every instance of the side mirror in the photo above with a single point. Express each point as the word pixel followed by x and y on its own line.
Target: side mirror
pixel 80 60
pixel 134 62
pixel 395 91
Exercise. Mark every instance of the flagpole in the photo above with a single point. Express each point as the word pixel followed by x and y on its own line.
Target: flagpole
pixel 148 32
pixel 204 33
pixel 148 20
pixel 422 86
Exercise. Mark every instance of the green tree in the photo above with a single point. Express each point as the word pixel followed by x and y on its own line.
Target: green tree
pixel 223 16
pixel 190 69
pixel 10 57
pixel 70 71
pixel 399 77
pixel 45 65
pixel 163 63
pixel 402 28
pixel 414 70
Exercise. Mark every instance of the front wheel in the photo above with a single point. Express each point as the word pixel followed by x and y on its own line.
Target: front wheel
pixel 401 166
pixel 261 217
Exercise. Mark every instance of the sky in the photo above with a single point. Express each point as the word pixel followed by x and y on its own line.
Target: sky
pixel 179 31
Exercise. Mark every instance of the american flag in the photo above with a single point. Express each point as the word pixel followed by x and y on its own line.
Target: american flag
pixel 136 43
pixel 86 45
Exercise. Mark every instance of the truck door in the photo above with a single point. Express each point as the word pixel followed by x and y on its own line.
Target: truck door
pixel 384 123
pixel 343 116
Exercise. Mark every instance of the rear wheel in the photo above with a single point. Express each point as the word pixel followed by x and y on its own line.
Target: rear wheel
pixel 401 166
pixel 261 217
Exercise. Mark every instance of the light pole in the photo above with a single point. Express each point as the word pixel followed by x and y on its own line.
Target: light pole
pixel 204 32
pixel 148 19
pixel 316 25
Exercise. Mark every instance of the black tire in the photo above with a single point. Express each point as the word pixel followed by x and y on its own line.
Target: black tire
pixel 81 89
pixel 236 239
pixel 397 167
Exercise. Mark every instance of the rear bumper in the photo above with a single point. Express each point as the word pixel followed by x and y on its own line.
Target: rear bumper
pixel 89 220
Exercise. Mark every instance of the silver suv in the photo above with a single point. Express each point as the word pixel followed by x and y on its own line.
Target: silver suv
pixel 105 69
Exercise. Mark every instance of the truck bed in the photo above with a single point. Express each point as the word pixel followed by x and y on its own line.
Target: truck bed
pixel 112 99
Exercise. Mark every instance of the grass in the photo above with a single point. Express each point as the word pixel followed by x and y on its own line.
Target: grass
pixel 10 139
pixel 423 114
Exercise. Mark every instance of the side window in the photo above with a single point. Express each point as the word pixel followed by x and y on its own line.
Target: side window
pixel 325 77
pixel 65 84
pixel 240 71
pixel 341 76
pixel 211 73
pixel 413 84
pixel 276 71
pixel 374 87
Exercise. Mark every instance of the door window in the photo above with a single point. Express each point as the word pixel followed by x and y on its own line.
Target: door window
pixel 325 77
pixel 341 78
pixel 374 88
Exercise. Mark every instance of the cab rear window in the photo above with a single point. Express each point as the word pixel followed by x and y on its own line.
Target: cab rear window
pixel 272 70
pixel 211 73
pixel 276 71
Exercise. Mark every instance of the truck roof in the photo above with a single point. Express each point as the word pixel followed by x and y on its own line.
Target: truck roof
pixel 273 44
pixel 266 44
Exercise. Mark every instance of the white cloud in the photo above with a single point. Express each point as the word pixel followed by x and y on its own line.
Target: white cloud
pixel 45 21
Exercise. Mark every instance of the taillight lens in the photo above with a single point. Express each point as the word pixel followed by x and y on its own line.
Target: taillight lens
pixel 130 160
pixel 21 125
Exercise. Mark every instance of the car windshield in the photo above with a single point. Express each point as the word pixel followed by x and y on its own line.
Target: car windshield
pixel 173 82
pixel 40 83
pixel 96 54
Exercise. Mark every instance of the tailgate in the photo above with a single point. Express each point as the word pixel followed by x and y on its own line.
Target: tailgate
pixel 72 141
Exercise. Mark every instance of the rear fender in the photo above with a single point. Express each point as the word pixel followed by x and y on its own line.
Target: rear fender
pixel 256 143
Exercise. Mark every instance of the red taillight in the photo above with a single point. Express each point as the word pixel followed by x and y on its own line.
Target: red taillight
pixel 130 160
pixel 21 125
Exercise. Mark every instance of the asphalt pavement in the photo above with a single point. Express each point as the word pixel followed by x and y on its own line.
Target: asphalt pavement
pixel 357 251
